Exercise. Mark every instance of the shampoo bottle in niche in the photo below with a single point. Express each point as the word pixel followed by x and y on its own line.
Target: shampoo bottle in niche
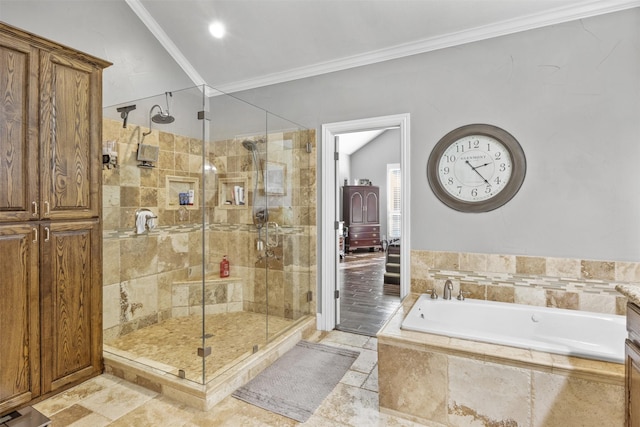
pixel 224 267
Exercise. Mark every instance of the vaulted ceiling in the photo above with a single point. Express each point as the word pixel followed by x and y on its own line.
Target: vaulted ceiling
pixel 273 41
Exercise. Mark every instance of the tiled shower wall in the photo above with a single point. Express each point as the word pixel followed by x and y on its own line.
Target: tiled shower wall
pixel 139 270
pixel 577 284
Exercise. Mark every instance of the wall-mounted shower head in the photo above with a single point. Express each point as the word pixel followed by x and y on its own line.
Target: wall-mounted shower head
pixel 249 145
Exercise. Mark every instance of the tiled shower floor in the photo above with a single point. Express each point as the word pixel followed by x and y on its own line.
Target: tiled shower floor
pixel 172 344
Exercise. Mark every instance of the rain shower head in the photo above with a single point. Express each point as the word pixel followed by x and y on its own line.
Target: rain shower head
pixel 163 117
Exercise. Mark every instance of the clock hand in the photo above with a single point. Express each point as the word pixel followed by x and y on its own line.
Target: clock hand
pixel 479 174
pixel 486 164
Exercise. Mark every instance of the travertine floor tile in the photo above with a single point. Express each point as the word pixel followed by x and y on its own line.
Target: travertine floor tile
pixel 118 399
pixel 110 401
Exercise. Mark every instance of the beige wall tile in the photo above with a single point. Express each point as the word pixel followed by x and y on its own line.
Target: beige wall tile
pixel 473 290
pixel 565 401
pixel 482 393
pixel 501 263
pixel 597 303
pixel 603 270
pixel 530 296
pixel 138 257
pixel 563 267
pixel 627 272
pixel 446 261
pixel 501 293
pixel 111 306
pixel 413 382
pixel 531 265
pixel 473 262
pixel 562 299
pixel 110 261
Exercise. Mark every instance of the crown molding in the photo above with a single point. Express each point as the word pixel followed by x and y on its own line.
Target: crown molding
pixel 530 22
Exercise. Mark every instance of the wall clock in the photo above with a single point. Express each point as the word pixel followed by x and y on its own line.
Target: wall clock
pixel 476 168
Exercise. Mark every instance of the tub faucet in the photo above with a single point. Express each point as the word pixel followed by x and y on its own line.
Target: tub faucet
pixel 448 287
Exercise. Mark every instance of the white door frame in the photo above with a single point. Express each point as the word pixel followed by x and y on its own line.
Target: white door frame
pixel 326 318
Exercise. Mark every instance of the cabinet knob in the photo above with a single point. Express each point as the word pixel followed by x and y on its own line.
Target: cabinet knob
pixel 34 209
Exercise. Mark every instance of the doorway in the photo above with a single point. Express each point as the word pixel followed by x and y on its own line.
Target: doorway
pixel 330 299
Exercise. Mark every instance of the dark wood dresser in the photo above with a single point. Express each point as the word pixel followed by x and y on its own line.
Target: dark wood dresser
pixel 361 215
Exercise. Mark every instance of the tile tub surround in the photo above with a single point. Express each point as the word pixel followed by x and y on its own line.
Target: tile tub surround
pixel 576 284
pixel 452 382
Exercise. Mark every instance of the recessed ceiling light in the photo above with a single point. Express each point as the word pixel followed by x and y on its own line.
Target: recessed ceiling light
pixel 217 29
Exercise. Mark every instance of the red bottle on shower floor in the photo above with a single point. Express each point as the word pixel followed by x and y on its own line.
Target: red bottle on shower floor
pixel 224 267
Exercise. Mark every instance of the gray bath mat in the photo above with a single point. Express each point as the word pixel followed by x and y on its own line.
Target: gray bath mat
pixel 296 384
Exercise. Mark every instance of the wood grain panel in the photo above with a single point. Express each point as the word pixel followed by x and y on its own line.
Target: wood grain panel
pixel 69 291
pixel 19 340
pixel 18 131
pixel 68 138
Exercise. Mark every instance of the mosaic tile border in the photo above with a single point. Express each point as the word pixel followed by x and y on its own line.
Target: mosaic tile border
pixel 542 282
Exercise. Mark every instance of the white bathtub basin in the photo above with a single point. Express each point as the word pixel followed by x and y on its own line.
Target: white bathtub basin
pixel 554 330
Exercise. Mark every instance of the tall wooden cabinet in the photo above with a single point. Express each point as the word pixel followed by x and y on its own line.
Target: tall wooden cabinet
pixel 50 227
pixel 361 216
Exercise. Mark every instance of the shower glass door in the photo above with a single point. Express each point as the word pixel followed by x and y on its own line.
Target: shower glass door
pixel 153 210
pixel 193 176
pixel 289 186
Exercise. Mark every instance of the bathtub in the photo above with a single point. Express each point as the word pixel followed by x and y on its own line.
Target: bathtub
pixel 553 330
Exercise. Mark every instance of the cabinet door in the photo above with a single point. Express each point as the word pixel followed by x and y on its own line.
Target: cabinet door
pixel 356 207
pixel 19 319
pixel 372 207
pixel 18 131
pixel 632 384
pixel 71 292
pixel 69 137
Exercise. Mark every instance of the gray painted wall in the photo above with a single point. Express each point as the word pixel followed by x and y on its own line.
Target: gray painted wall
pixel 569 93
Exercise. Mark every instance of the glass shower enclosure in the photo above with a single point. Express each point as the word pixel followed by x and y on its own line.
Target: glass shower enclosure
pixel 191 178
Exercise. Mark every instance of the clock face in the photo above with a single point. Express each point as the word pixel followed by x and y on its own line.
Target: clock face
pixel 476 168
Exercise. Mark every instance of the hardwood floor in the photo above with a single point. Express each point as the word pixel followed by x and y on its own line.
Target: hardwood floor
pixel 363 306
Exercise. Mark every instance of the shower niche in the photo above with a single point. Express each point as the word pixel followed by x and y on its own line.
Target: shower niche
pixel 182 191
pixel 233 193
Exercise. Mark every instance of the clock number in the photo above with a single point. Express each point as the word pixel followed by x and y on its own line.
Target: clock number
pixel 475 144
pixel 474 192
pixel 450 181
pixel 498 155
pixel 497 180
pixel 459 148
pixel 446 170
pixel 487 190
pixel 503 167
pixel 450 158
pixel 459 189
